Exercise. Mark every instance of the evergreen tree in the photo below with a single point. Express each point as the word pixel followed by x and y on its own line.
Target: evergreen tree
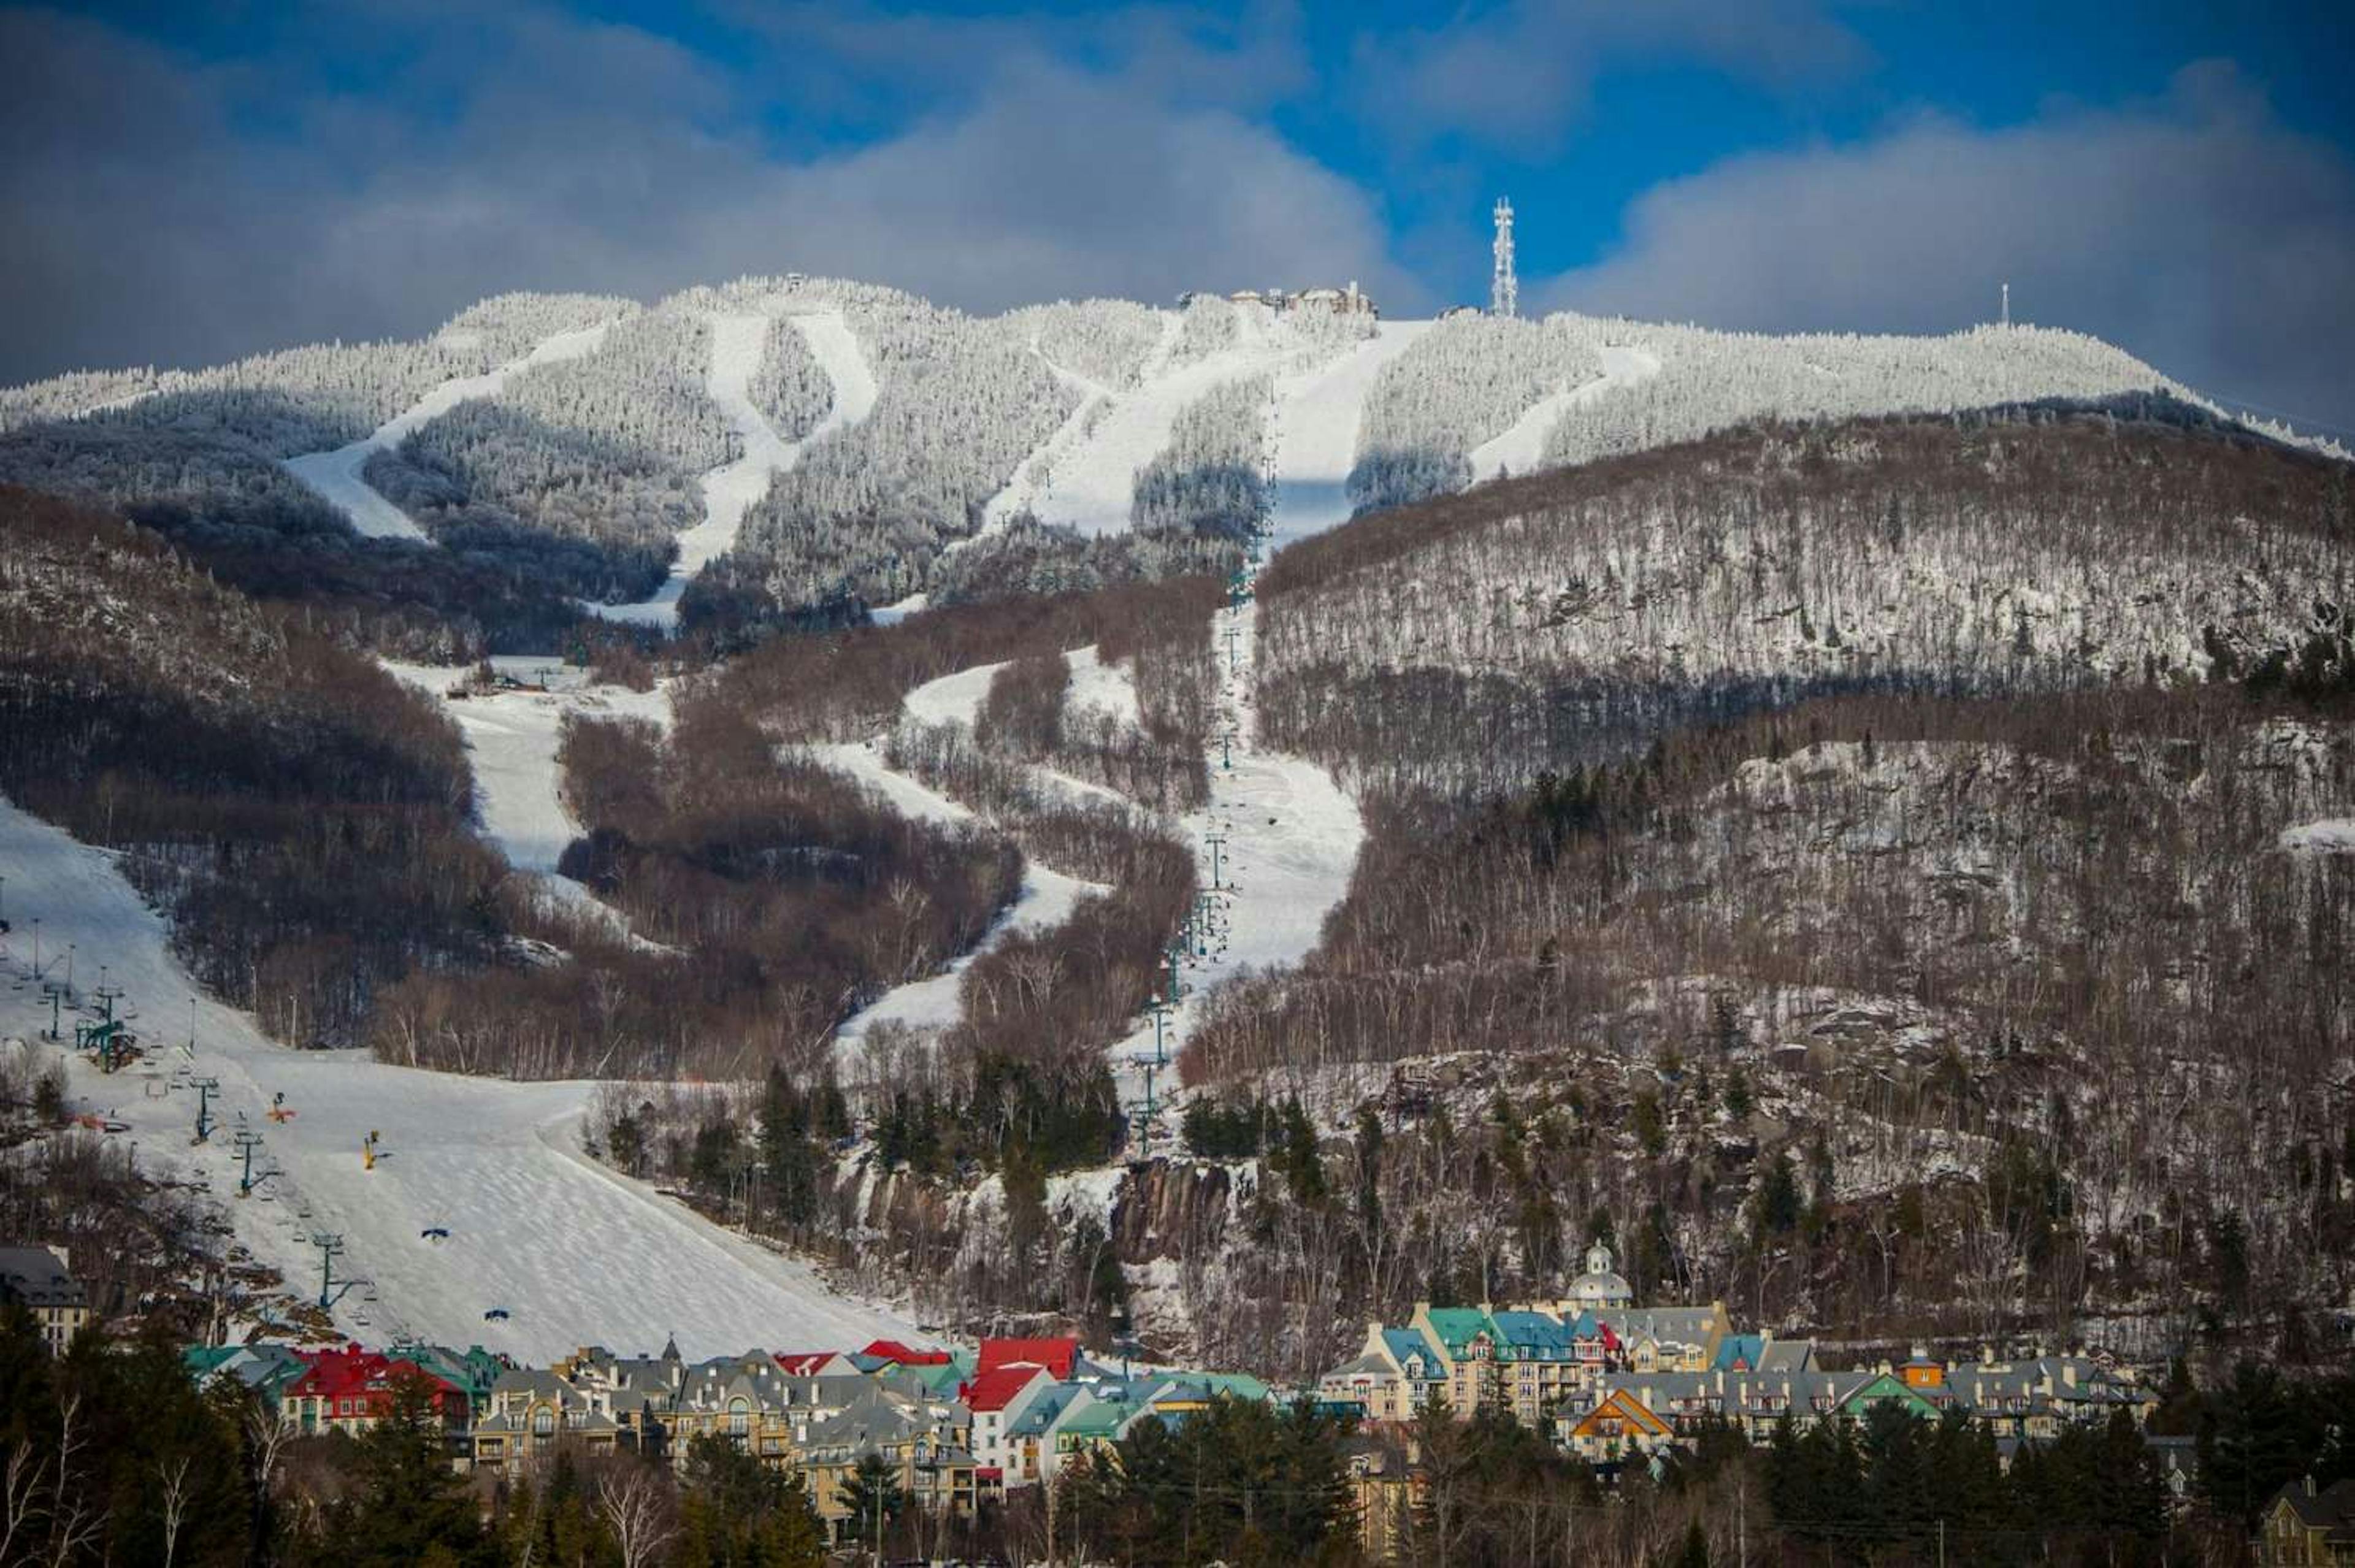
pixel 873 1497
pixel 408 1506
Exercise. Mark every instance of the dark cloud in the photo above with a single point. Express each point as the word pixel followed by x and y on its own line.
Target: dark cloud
pixel 2196 231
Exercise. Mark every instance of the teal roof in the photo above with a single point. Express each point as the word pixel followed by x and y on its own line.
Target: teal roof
pixel 940 1378
pixel 1535 1336
pixel 1459 1325
pixel 1744 1348
pixel 1101 1419
pixel 1404 1342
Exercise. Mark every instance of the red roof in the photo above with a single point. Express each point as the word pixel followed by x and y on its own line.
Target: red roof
pixel 905 1355
pixel 997 1388
pixel 1056 1355
pixel 351 1370
pixel 804 1363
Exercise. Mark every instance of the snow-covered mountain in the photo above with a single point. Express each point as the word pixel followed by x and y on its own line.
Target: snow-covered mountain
pixel 575 433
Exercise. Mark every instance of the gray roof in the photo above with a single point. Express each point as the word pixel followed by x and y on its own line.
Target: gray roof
pixel 37 1277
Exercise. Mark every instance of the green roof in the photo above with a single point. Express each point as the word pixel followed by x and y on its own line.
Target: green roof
pixel 1101 1418
pixel 1459 1325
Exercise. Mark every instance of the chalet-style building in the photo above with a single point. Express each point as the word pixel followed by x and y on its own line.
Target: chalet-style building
pixel 39 1280
pixel 2308 1527
pixel 352 1390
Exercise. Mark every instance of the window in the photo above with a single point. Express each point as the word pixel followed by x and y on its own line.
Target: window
pixel 543 1421
pixel 739 1419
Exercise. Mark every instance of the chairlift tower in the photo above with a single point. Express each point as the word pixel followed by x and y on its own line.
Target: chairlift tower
pixel 331 1289
pixel 245 1142
pixel 205 1089
pixel 1504 288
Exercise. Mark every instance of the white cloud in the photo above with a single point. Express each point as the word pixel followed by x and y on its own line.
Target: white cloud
pixel 145 221
pixel 2196 231
pixel 1520 73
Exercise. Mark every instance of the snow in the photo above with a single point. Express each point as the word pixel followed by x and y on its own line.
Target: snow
pixel 335 475
pixel 1047 898
pixel 1291 841
pixel 1084 476
pixel 2332 836
pixel 732 489
pixel 1101 687
pixel 1521 449
pixel 1316 413
pixel 953 699
pixel 511 743
pixel 577 1253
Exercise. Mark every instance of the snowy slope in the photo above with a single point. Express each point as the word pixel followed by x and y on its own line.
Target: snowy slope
pixel 337 474
pixel 732 490
pixel 1521 449
pixel 511 741
pixel 576 1253
pixel 1047 898
pixel 1289 837
pixel 1316 413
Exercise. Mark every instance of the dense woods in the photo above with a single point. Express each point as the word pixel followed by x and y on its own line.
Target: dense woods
pixel 1465 381
pixel 1569 617
pixel 301 817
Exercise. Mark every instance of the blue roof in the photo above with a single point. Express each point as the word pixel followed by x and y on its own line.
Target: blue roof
pixel 1529 1332
pixel 1041 1412
pixel 1404 1342
pixel 1744 1348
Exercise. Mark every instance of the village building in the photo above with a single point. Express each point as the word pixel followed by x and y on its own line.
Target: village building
pixel 2305 1526
pixel 39 1280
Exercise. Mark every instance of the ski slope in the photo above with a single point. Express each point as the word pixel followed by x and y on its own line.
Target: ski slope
pixel 732 489
pixel 1521 449
pixel 1048 898
pixel 1286 837
pixel 511 743
pixel 1289 836
pixel 1083 478
pixel 1316 414
pixel 335 475
pixel 575 1252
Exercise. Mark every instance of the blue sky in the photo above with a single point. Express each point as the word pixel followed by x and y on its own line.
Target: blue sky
pixel 189 180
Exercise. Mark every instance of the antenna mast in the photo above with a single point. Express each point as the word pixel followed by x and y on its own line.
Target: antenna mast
pixel 1504 289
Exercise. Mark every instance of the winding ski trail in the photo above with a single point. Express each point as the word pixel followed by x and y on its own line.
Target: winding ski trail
pixel 1521 448
pixel 732 490
pixel 335 475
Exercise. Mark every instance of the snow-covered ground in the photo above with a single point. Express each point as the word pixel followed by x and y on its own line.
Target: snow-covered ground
pixel 511 742
pixel 1286 837
pixel 1047 898
pixel 574 1251
pixel 734 488
pixel 337 474
pixel 1521 449
pixel 953 699
pixel 1316 415
pixel 1101 687
pixel 2333 835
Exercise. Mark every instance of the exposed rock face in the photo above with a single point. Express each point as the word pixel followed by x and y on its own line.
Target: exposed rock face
pixel 1175 1209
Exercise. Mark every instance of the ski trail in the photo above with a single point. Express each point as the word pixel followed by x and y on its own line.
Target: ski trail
pixel 733 489
pixel 511 744
pixel 1316 414
pixel 1287 841
pixel 335 475
pixel 1521 449
pixel 1047 898
pixel 576 1253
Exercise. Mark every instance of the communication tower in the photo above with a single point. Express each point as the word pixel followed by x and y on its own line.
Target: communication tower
pixel 1504 289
